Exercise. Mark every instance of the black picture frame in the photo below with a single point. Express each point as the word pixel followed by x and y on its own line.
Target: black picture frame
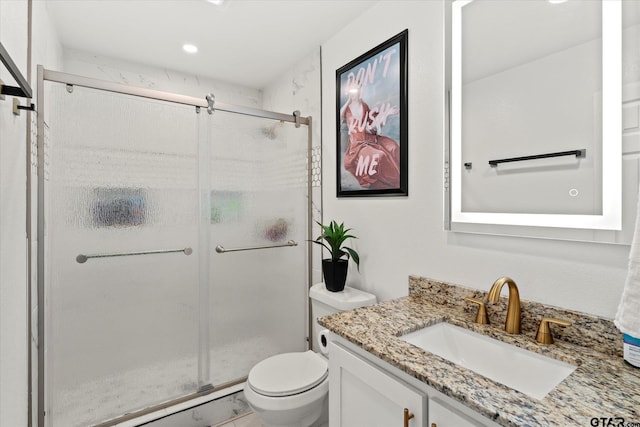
pixel 371 122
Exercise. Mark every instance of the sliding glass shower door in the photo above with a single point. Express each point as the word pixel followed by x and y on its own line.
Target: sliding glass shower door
pixel 122 243
pixel 258 209
pixel 175 249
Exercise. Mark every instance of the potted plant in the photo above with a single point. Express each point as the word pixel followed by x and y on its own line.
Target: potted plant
pixel 334 269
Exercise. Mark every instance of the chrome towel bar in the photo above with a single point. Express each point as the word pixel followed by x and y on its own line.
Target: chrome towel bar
pixel 81 259
pixel 220 249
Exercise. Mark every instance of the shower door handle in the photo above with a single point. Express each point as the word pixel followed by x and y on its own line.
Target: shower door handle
pixel 221 249
pixel 81 259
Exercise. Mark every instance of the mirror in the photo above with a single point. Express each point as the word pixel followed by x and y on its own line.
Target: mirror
pixel 535 135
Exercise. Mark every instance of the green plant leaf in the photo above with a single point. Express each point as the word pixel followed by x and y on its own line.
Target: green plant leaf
pixel 323 244
pixel 333 237
pixel 354 256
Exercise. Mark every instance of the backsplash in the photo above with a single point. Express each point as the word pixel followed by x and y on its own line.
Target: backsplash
pixel 586 330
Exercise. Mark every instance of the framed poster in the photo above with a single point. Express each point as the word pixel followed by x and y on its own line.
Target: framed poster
pixel 371 116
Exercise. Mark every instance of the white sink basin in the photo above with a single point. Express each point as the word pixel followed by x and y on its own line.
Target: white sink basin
pixel 530 373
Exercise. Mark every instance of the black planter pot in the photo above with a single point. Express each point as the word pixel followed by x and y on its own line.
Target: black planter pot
pixel 335 274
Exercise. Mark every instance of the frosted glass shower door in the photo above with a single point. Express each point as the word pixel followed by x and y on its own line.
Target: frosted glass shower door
pixel 258 198
pixel 121 178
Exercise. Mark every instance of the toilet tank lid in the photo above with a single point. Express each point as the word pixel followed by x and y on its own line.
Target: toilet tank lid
pixel 348 299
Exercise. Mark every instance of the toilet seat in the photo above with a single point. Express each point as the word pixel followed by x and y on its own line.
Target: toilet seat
pixel 288 374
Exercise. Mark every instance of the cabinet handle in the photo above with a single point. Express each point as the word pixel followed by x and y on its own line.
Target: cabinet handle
pixel 434 425
pixel 407 416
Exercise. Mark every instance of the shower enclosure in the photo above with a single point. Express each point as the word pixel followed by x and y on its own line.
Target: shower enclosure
pixel 173 246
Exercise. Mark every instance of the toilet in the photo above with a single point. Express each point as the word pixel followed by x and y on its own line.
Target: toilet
pixel 291 389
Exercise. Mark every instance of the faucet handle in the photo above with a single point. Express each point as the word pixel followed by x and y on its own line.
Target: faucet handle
pixel 481 316
pixel 543 336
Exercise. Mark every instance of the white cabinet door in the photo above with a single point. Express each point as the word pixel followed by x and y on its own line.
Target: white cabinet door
pixel 443 415
pixel 361 394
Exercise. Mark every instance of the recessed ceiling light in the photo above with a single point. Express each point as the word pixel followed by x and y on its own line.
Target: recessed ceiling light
pixel 190 48
pixel 216 2
pixel 557 1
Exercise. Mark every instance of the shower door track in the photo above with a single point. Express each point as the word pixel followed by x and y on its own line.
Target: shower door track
pixel 207 102
pixel 75 80
pixel 187 398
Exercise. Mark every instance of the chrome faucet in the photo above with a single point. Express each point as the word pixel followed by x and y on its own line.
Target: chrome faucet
pixel 512 324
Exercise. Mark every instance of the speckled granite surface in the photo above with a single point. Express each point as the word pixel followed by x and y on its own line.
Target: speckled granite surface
pixel 602 386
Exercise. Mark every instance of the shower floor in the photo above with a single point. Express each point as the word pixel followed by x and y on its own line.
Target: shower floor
pixel 110 397
pixel 249 420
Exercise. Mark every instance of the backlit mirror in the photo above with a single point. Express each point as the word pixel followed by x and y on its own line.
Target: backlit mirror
pixel 535 114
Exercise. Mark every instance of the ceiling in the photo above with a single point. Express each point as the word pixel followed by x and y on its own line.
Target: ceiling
pixel 246 42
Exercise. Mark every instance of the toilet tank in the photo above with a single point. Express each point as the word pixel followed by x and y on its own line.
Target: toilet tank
pixel 324 303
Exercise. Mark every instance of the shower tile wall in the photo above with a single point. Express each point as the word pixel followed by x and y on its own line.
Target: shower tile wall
pixel 299 89
pixel 119 71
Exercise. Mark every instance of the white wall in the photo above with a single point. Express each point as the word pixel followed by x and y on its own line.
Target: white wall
pixel 13 243
pixel 13 204
pixel 399 236
pixel 46 51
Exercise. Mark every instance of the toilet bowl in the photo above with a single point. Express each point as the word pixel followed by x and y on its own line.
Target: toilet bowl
pixel 292 389
pixel 289 389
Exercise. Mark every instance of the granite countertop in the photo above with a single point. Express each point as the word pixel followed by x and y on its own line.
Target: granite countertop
pixel 602 386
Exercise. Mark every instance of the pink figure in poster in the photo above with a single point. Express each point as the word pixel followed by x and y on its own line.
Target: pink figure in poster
pixel 373 159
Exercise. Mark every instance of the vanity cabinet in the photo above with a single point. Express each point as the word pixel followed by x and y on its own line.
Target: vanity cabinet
pixel 365 390
pixel 361 394
pixel 442 414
